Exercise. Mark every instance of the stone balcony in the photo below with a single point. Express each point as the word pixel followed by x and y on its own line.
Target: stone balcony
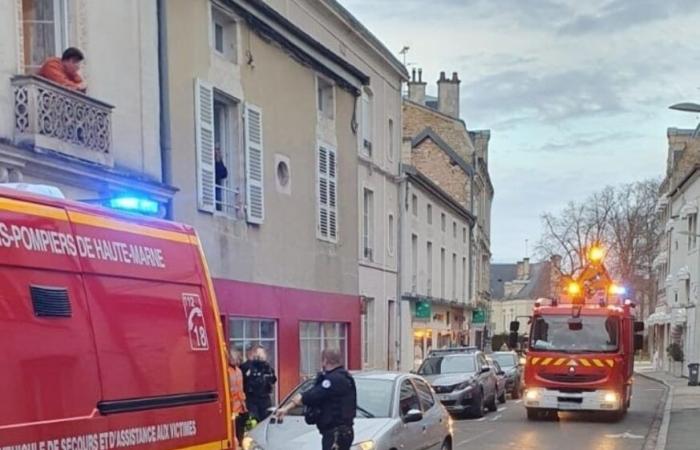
pixel 49 117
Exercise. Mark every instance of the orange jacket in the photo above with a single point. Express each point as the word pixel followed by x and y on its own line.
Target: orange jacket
pixel 235 377
pixel 53 70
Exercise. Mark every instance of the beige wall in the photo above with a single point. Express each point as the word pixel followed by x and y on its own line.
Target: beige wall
pixel 119 40
pixel 378 275
pixel 284 250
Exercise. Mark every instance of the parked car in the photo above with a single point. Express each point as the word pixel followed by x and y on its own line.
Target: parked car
pixel 395 410
pixel 512 366
pixel 500 379
pixel 462 379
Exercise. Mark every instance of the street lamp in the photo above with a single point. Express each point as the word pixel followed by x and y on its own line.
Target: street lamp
pixel 688 107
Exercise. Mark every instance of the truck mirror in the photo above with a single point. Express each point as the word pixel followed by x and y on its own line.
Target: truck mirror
pixel 575 324
pixel 638 327
pixel 513 340
pixel 638 342
pixel 514 326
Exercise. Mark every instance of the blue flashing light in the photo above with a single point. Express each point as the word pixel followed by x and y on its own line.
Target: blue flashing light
pixel 135 204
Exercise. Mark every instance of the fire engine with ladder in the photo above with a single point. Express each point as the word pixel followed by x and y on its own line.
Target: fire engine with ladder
pixel 581 348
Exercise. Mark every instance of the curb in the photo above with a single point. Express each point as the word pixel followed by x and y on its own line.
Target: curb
pixel 662 435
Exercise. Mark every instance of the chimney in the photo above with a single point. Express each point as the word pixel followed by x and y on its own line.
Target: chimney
pixel 519 270
pixel 416 87
pixel 526 268
pixel 448 95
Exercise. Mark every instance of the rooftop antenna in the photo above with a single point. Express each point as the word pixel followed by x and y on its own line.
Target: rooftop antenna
pixel 403 53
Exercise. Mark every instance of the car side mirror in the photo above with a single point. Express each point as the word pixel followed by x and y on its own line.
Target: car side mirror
pixel 500 372
pixel 485 369
pixel 514 326
pixel 413 415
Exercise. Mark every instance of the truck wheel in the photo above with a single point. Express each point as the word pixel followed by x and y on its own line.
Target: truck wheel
pixel 477 409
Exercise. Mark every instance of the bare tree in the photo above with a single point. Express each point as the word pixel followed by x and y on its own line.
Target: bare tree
pixel 620 218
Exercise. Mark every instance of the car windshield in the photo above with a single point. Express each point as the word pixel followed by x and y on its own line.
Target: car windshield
pixel 373 397
pixel 439 365
pixel 505 360
pixel 595 334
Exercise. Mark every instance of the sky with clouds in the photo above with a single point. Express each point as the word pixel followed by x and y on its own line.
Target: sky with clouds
pixel 575 93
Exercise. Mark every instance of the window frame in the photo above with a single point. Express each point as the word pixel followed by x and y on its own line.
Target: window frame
pixel 229 33
pixel 246 342
pixel 231 141
pixel 419 385
pixel 322 339
pixel 407 381
pixel 329 179
pixel 325 86
pixel 60 33
pixel 368 223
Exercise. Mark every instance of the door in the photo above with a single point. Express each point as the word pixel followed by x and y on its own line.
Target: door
pixel 487 379
pixel 412 434
pixel 433 426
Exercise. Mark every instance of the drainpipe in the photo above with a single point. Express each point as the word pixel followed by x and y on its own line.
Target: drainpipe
pixel 472 261
pixel 403 186
pixel 164 90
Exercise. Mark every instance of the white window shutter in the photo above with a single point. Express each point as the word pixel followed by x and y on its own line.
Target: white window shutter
pixel 254 168
pixel 327 194
pixel 204 137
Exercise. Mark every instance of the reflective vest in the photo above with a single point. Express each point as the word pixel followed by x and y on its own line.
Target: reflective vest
pixel 235 377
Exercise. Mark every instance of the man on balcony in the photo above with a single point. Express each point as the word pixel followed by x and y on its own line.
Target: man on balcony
pixel 65 71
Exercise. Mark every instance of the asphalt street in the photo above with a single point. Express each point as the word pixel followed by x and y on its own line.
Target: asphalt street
pixel 509 428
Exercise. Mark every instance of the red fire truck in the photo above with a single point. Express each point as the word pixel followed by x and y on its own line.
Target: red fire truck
pixel 581 346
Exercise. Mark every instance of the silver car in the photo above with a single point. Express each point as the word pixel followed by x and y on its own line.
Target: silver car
pixel 395 410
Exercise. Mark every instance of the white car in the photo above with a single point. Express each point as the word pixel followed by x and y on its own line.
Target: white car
pixel 394 410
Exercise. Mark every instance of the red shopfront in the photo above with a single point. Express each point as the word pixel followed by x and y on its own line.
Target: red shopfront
pixel 293 324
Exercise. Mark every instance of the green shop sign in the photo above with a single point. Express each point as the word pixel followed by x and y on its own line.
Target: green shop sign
pixel 423 310
pixel 478 316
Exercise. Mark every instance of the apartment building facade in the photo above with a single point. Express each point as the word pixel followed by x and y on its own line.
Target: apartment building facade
pixel 280 228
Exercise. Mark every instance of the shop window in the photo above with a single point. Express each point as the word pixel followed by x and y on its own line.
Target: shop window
pixel 314 337
pixel 244 334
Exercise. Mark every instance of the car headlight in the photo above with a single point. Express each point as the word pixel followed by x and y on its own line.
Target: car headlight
pixel 610 397
pixel 366 445
pixel 465 385
pixel 249 443
pixel 533 394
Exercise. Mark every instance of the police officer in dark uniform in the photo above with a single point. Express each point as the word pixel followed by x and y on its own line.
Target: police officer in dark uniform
pixel 331 404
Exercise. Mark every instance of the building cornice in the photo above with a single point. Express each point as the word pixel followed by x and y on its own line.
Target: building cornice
pixel 271 25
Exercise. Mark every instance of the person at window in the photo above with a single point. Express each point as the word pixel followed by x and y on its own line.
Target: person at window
pixel 221 173
pixel 258 380
pixel 65 70
pixel 331 404
pixel 238 406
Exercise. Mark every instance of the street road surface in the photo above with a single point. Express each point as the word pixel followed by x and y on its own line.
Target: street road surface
pixel 509 428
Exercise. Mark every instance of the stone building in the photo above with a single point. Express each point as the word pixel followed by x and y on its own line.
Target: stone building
pixel 467 181
pixel 516 287
pixel 675 319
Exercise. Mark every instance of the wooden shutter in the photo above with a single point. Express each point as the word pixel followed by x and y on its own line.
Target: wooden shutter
pixel 327 194
pixel 255 193
pixel 204 137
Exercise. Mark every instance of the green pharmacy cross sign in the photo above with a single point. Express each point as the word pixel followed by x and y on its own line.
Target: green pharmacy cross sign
pixel 423 310
pixel 478 316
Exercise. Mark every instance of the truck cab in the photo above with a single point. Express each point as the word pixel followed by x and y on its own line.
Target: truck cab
pixel 581 348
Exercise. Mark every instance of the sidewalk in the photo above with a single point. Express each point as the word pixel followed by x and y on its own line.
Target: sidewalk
pixel 679 428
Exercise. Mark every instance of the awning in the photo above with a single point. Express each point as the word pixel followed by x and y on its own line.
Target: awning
pixel 669 225
pixel 683 273
pixel 660 259
pixel 679 316
pixel 658 318
pixel 688 209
